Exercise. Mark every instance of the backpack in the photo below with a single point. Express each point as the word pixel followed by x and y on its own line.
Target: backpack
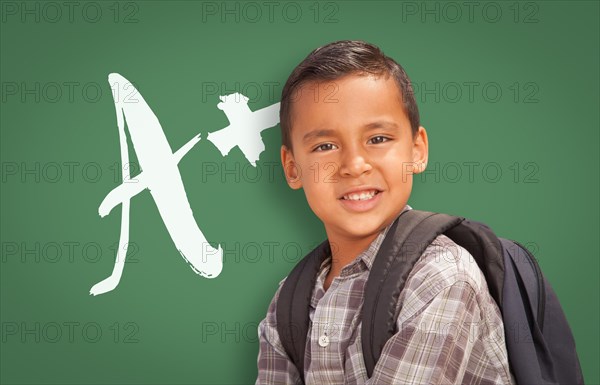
pixel 542 353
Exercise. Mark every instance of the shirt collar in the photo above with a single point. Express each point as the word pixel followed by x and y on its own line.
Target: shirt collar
pixel 367 257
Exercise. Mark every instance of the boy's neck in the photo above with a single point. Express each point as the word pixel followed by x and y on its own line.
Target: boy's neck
pixel 344 252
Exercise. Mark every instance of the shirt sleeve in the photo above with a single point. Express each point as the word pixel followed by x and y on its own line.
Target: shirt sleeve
pixel 274 365
pixel 436 342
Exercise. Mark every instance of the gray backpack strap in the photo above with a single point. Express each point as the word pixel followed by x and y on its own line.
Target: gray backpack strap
pixel 293 303
pixel 404 243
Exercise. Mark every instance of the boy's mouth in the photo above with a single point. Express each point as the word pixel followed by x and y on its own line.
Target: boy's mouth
pixel 361 195
pixel 361 200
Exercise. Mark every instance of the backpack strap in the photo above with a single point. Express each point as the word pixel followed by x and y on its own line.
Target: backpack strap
pixel 293 303
pixel 404 243
pixel 485 247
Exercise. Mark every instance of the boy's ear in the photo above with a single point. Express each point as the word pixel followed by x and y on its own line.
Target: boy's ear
pixel 420 150
pixel 290 168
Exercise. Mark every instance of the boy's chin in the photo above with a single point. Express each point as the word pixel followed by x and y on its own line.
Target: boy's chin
pixel 362 229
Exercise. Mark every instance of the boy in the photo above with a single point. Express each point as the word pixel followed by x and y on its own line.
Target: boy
pixel 352 140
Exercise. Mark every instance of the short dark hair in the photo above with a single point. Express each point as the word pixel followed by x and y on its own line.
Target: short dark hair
pixel 337 59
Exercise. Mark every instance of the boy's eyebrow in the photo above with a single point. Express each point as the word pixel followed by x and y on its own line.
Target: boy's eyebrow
pixel 389 125
pixel 381 124
pixel 317 133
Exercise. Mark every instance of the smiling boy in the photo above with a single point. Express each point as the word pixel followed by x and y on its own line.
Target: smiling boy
pixel 352 141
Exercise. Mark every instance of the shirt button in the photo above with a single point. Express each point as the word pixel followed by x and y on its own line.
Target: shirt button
pixel 323 341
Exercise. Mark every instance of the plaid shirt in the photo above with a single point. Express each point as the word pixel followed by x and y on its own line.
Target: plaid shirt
pixel 449 329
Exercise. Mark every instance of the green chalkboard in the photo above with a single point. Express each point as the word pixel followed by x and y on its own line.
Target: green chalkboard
pixel 508 92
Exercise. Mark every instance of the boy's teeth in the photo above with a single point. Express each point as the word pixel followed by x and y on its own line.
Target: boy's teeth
pixel 362 196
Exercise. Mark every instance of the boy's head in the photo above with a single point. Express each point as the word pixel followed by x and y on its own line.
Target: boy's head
pixel 351 137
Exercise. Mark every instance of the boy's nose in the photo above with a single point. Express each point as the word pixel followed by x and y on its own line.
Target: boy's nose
pixel 354 163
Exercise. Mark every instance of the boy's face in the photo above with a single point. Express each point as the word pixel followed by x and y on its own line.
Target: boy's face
pixel 351 138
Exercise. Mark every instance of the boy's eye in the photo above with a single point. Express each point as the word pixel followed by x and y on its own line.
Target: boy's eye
pixel 378 139
pixel 324 147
